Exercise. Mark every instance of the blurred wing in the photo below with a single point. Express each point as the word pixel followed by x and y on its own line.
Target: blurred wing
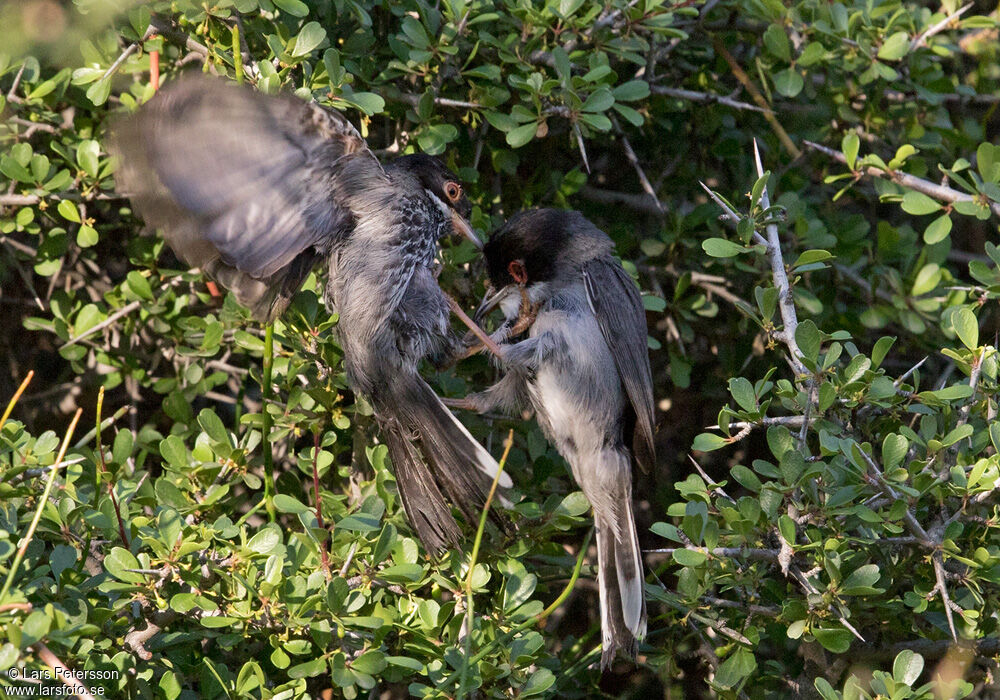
pixel 251 187
pixel 616 302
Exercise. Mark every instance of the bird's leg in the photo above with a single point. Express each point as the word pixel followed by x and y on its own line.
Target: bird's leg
pixel 487 341
pixel 465 404
pixel 526 314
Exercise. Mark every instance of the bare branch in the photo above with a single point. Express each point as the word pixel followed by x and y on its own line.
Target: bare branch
pixel 704 98
pixel 124 311
pixel 931 189
pixel 639 202
pixel 786 303
pixel 940 26
pixel 630 154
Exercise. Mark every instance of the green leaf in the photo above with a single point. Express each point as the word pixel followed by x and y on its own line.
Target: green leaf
pixel 296 8
pixel 631 91
pixel 966 326
pixel 63 557
pixel 836 639
pixel 777 42
pixel 139 285
pixel 788 82
pixel 521 135
pixel 743 393
pixel 689 557
pixel 895 47
pixel 809 340
pixel 919 204
pixel 309 38
pixel 599 100
pixel 927 279
pixel 722 248
pixel 937 230
pixel 88 156
pixel 894 448
pixel 117 563
pixel 861 580
pixel 907 667
pixel 289 504
pixel 736 669
pixel 809 257
pixel 86 236
pixel 539 681
pixel 706 442
pixel 69 211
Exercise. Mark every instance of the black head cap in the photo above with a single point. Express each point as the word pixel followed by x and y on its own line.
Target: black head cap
pixel 538 238
pixel 435 176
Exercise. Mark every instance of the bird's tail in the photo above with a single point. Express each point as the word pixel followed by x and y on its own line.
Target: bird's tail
pixel 620 581
pixel 443 459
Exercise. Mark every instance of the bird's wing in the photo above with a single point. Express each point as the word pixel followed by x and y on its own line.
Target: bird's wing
pixel 616 302
pixel 248 179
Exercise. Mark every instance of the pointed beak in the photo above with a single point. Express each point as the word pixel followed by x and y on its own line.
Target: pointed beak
pixel 490 301
pixel 463 228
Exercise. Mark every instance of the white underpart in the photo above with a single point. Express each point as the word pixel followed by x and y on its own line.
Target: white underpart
pixel 445 209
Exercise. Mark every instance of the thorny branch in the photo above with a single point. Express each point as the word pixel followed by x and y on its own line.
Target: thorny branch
pixel 931 189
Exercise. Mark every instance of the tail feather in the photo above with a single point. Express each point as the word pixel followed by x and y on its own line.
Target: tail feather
pixel 422 499
pixel 620 582
pixel 454 462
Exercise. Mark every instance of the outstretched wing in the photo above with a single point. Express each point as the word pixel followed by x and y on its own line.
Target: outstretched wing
pixel 250 187
pixel 617 304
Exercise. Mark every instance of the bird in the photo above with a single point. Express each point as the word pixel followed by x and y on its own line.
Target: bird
pixel 256 190
pixel 584 369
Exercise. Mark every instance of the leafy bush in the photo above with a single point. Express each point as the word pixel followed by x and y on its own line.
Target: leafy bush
pixel 837 535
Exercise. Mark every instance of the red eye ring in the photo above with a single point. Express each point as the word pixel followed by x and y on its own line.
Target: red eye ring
pixel 453 191
pixel 517 271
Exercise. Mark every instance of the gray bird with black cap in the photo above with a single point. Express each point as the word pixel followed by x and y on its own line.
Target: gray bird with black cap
pixel 584 369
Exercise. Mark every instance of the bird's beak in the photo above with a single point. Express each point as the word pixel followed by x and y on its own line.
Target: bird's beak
pixel 463 228
pixel 491 300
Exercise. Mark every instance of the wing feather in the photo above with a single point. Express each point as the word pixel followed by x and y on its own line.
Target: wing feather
pixel 237 179
pixel 617 304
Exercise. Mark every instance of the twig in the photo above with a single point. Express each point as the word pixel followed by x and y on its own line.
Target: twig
pixel 583 148
pixel 755 554
pixel 790 421
pixel 638 202
pixel 942 588
pixel 940 26
pixel 167 29
pixel 709 480
pixel 861 282
pixel 468 624
pixel 131 49
pixel 62 671
pixel 931 189
pixel 705 97
pixel 729 215
pixel 125 310
pixel 414 100
pixel 744 79
pixel 786 303
pixel 103 469
pixel 26 540
pixel 12 93
pixel 630 154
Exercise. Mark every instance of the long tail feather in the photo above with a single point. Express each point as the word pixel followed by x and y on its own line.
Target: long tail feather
pixel 454 463
pixel 422 499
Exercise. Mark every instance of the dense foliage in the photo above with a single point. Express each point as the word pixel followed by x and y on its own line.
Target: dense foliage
pixel 827 363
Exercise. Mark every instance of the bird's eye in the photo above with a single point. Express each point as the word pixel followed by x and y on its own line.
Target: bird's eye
pixel 453 191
